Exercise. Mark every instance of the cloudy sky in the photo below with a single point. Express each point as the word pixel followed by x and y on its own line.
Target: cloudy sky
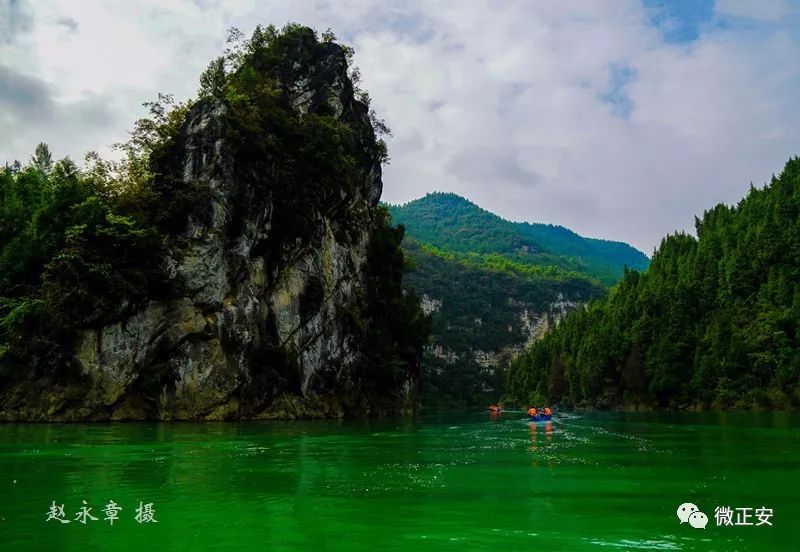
pixel 619 119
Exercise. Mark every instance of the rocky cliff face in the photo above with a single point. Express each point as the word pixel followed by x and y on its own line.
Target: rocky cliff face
pixel 531 322
pixel 270 320
pixel 482 318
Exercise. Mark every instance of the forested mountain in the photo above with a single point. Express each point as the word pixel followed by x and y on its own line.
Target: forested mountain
pixel 452 223
pixel 492 287
pixel 713 322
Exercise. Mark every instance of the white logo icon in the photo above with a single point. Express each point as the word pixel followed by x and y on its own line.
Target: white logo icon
pixel 685 510
pixel 691 514
pixel 698 520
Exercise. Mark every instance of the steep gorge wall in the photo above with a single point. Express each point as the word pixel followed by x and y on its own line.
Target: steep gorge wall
pixel 276 298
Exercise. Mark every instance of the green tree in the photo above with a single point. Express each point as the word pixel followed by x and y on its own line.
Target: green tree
pixel 42 158
pixel 712 322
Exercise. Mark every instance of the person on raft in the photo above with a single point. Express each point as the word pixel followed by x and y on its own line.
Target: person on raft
pixel 532 411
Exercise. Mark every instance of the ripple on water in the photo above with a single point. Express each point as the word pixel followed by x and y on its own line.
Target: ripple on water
pixel 646 544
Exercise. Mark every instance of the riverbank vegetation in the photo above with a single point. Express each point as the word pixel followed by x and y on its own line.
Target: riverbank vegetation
pixel 714 322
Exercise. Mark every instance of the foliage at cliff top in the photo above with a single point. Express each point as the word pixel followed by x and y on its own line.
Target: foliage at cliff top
pixel 714 321
pixel 84 246
pixel 452 223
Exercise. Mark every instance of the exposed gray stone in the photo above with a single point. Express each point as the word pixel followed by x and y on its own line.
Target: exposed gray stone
pixel 206 354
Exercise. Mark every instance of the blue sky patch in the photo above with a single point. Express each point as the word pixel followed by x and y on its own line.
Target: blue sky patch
pixel 616 95
pixel 679 20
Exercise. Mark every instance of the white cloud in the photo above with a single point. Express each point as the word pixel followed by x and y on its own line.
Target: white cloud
pixel 499 101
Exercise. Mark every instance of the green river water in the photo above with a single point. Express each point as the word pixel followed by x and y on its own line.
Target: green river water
pixel 588 481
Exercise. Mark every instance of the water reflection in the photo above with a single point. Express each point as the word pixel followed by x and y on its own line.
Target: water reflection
pixel 535 429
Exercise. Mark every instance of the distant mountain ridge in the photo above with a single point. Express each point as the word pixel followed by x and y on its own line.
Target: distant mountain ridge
pixel 453 223
pixel 493 287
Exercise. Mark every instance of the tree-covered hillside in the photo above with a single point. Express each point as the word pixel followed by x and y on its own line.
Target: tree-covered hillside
pixel 452 223
pixel 713 322
pixel 493 286
pixel 485 308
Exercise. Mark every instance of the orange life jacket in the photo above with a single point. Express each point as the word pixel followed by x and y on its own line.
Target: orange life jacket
pixel 532 411
pixel 547 411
